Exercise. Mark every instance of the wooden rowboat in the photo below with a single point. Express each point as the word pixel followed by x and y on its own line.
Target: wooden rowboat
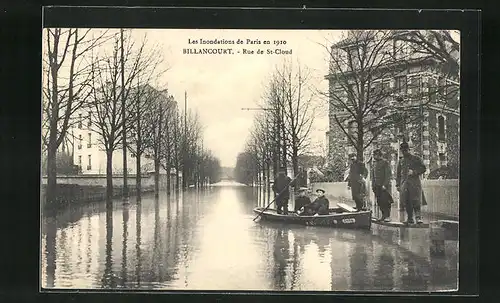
pixel 338 217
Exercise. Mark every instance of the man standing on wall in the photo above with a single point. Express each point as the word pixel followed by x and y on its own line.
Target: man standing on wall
pixel 356 181
pixel 408 183
pixel 381 179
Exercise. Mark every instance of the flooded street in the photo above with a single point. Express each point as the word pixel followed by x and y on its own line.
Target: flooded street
pixel 206 240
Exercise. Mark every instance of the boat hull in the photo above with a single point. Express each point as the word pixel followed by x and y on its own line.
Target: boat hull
pixel 336 219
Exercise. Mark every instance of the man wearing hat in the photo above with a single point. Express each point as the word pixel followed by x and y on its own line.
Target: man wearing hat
pixel 381 181
pixel 302 200
pixel 356 181
pixel 320 206
pixel 281 189
pixel 409 170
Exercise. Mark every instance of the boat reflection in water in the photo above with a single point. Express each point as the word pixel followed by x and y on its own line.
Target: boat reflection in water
pixel 206 240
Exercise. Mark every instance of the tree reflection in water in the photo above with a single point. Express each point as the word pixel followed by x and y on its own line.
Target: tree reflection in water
pixel 125 217
pixel 108 279
pixel 50 250
pixel 138 241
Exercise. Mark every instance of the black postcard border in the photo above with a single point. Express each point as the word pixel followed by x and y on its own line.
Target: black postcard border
pixel 25 124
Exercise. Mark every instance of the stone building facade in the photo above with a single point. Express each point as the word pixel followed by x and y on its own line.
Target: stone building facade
pixel 421 91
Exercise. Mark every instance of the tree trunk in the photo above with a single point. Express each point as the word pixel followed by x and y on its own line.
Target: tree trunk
pixel 157 176
pixel 168 179
pixel 295 159
pixel 360 142
pixel 109 178
pixel 138 176
pixel 268 182
pixel 51 191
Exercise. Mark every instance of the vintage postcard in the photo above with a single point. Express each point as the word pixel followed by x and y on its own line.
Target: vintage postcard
pixel 250 160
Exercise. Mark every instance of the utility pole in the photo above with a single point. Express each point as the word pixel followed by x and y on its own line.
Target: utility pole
pixel 124 134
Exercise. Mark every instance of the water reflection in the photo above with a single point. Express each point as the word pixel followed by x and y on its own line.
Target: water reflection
pixel 358 263
pixel 384 272
pixel 108 279
pixel 50 251
pixel 125 215
pixel 207 240
pixel 281 256
pixel 138 239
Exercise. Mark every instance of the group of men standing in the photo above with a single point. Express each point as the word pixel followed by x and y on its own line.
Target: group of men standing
pixel 408 184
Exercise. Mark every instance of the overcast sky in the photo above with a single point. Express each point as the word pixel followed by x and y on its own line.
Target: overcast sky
pixel 218 86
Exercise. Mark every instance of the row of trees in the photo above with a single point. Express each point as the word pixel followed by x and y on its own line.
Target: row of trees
pixel 106 81
pixel 281 128
pixel 364 104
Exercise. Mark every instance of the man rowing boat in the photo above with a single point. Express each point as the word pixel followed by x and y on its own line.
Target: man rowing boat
pixel 281 189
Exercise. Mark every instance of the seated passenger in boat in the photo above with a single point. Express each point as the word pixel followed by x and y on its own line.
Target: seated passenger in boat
pixel 302 199
pixel 320 206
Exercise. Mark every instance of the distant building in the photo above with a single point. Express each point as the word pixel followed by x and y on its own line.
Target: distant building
pixel 434 137
pixel 89 154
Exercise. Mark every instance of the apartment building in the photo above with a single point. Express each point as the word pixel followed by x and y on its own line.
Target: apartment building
pixel 434 136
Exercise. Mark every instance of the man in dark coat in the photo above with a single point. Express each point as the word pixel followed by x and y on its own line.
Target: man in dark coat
pixel 281 189
pixel 381 183
pixel 320 205
pixel 356 181
pixel 302 200
pixel 409 170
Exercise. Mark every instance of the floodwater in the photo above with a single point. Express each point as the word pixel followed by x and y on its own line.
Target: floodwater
pixel 206 240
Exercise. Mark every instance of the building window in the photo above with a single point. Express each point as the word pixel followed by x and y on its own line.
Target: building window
pixel 354 54
pixel 401 85
pixel 89 144
pixel 415 85
pixel 89 166
pixel 89 123
pixel 80 121
pixel 79 141
pixel 442 158
pixel 441 130
pixel 432 85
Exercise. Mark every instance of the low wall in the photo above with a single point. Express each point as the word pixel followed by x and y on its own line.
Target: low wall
pixel 100 180
pixel 442 195
pixel 88 188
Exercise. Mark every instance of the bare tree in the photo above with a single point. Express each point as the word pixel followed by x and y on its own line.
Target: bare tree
pixel 168 139
pixel 107 97
pixel 296 99
pixel 439 44
pixel 142 125
pixel 361 95
pixel 66 89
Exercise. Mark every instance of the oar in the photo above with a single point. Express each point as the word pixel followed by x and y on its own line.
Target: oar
pixel 282 191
